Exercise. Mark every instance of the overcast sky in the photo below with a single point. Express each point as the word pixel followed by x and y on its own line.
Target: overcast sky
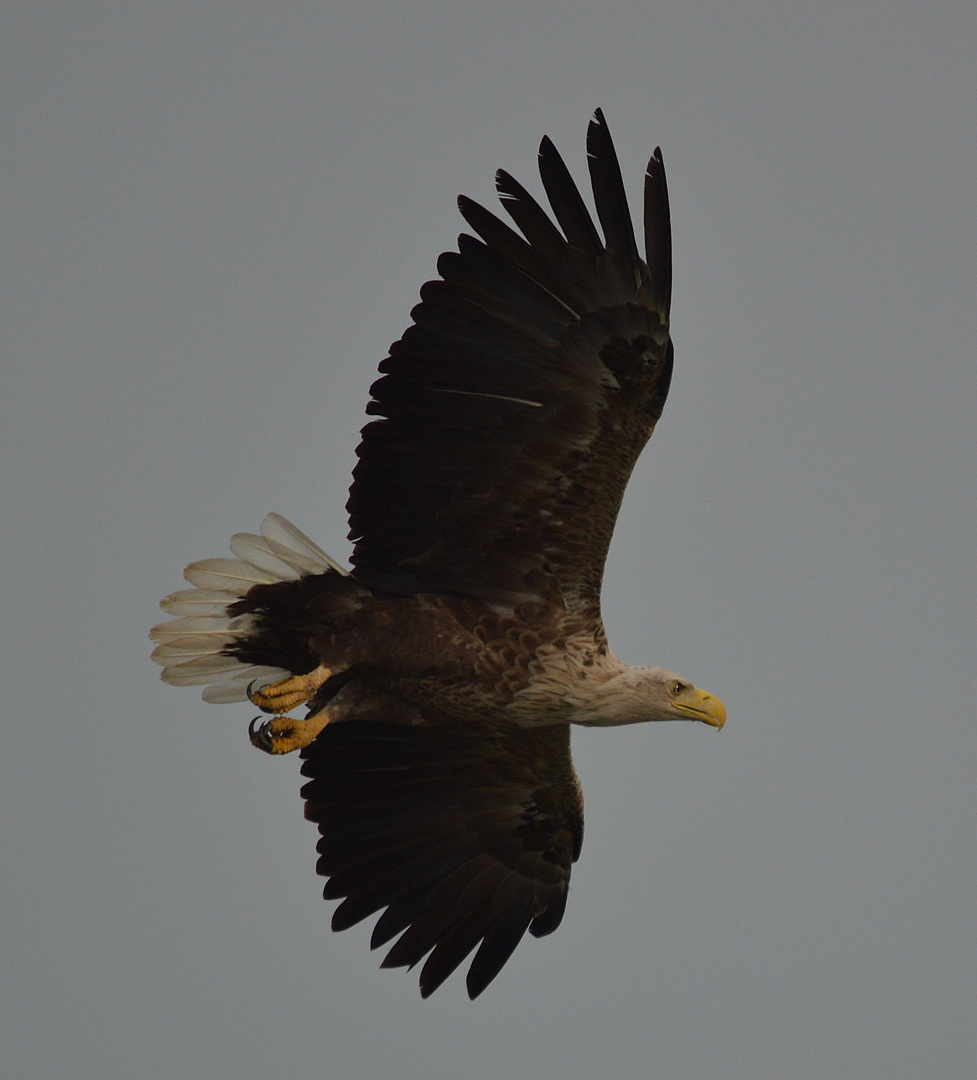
pixel 215 219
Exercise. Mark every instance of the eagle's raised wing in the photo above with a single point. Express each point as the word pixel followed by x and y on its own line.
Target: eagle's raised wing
pixel 463 832
pixel 514 409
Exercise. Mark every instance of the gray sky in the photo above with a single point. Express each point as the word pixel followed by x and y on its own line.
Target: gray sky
pixel 215 220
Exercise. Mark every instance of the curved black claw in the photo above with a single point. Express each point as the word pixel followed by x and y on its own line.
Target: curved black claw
pixel 261 737
pixel 253 702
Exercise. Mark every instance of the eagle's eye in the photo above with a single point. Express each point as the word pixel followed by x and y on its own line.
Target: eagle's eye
pixel 676 688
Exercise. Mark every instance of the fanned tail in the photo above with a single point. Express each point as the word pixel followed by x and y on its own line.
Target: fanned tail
pixel 226 631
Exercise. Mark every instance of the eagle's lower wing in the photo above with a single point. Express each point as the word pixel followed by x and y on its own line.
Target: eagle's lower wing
pixel 463 831
pixel 513 411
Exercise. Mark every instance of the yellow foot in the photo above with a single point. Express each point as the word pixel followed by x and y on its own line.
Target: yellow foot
pixel 284 695
pixel 283 734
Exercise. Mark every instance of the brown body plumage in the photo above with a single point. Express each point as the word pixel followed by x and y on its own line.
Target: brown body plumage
pixel 442 673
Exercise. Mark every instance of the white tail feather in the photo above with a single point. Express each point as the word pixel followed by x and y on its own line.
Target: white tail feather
pixel 200 669
pixel 226 575
pixel 190 646
pixel 296 548
pixel 254 551
pixel 195 602
pixel 201 627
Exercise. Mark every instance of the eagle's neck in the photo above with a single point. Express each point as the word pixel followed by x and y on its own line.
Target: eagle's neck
pixel 596 691
pixel 630 695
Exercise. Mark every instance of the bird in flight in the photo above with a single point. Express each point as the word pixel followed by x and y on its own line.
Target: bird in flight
pixel 441 674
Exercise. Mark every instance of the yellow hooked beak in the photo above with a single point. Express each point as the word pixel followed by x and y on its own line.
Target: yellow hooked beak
pixel 699 705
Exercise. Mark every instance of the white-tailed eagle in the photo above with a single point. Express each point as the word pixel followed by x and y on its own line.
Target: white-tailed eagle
pixel 442 673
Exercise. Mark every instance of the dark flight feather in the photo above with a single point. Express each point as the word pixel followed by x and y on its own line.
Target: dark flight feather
pixel 514 395
pixel 441 824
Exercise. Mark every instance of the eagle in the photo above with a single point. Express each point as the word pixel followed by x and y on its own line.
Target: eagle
pixel 440 675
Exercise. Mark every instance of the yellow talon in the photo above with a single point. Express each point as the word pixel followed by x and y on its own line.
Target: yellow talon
pixel 283 734
pixel 284 695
